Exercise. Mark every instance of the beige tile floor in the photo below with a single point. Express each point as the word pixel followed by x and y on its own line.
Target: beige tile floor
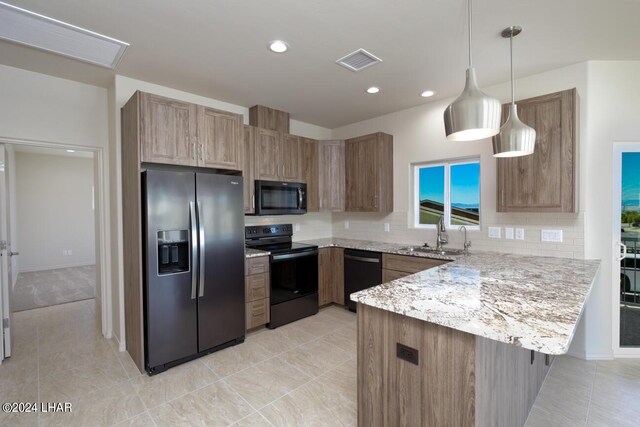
pixel 300 374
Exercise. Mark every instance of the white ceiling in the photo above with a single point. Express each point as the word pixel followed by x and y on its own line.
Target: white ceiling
pixel 217 48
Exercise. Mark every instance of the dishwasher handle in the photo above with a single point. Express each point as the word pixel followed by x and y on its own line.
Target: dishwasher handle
pixel 362 259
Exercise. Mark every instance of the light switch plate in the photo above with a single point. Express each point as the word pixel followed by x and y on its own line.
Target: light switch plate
pixel 346 225
pixel 508 233
pixel 554 236
pixel 519 233
pixel 386 227
pixel 494 232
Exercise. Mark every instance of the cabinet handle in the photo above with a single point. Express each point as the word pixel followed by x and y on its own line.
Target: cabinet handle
pixel 533 356
pixel 253 201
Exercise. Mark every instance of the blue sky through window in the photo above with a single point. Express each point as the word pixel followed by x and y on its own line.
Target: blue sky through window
pixel 465 185
pixel 432 184
pixel 631 180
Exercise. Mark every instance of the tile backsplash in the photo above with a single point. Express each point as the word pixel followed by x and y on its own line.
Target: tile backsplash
pixel 365 226
pixel 314 225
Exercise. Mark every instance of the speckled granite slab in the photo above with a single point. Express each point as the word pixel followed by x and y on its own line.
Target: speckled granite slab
pixel 532 302
pixel 252 253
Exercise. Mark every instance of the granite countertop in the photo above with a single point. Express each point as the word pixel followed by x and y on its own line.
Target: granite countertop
pixel 529 301
pixel 252 253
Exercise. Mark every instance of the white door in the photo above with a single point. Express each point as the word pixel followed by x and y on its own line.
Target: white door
pixel 626 235
pixel 5 254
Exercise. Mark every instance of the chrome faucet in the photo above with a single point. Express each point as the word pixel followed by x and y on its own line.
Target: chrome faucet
pixel 442 239
pixel 467 243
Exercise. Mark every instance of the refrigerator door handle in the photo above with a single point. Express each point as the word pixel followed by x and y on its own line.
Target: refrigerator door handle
pixel 201 240
pixel 194 249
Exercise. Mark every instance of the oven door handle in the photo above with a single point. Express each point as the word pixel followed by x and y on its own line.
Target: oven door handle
pixel 293 255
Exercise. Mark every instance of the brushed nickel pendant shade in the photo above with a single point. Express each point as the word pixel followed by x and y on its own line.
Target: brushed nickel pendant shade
pixel 515 138
pixel 474 114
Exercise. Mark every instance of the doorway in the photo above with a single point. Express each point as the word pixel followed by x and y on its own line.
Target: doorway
pixel 626 232
pixel 58 251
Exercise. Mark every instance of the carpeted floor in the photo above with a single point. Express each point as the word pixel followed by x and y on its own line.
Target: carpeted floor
pixel 50 287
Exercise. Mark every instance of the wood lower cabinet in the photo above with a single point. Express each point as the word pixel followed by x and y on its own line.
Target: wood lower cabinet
pixel 257 291
pixel 454 378
pixel 331 276
pixel 369 173
pixel 331 176
pixel 309 171
pixel 180 133
pixel 397 266
pixel 546 180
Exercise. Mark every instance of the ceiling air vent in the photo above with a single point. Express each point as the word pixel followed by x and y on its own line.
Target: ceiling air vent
pixel 358 60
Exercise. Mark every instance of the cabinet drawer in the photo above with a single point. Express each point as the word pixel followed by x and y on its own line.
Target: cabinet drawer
pixel 256 265
pixel 409 264
pixel 257 313
pixel 389 275
pixel 256 287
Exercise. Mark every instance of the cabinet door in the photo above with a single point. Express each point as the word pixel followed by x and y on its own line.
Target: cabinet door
pixel 248 172
pixel 362 174
pixel 545 180
pixel 220 139
pixel 337 279
pixel 290 158
pixel 267 154
pixel 325 290
pixel 331 176
pixel 167 130
pixel 309 171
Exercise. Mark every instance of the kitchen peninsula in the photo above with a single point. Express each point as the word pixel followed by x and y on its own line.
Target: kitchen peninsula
pixel 467 343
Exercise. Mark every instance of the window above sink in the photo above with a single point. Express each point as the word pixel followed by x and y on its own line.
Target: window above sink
pixel 449 188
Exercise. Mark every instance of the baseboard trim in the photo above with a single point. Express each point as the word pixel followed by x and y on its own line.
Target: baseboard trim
pixel 591 356
pixel 56 267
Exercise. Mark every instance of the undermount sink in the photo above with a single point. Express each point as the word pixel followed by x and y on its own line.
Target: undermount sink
pixel 428 250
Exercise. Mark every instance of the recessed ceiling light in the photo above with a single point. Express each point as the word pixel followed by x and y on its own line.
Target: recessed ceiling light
pixel 427 93
pixel 278 46
pixel 71 151
pixel 373 89
pixel 39 31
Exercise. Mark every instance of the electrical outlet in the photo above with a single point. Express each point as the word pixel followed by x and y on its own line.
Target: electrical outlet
pixel 519 233
pixel 554 236
pixel 494 232
pixel 386 227
pixel 508 233
pixel 296 227
pixel 346 225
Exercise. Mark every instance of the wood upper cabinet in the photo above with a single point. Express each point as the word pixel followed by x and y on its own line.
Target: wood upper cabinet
pixel 290 157
pixel 248 172
pixel 167 130
pixel 331 176
pixel 269 118
pixel 180 133
pixel 546 180
pixel 220 139
pixel 369 173
pixel 309 171
pixel 267 154
pixel 277 156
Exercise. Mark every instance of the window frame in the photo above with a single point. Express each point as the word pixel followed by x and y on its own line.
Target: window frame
pixel 447 192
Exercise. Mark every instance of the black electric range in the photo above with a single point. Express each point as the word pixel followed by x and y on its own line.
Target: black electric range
pixel 293 272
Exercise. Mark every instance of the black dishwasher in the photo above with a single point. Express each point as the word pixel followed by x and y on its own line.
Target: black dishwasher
pixel 362 270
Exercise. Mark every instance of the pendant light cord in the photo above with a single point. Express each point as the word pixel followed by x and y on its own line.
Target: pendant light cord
pixel 513 98
pixel 469 21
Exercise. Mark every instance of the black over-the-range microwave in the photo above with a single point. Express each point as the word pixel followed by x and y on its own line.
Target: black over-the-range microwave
pixel 280 198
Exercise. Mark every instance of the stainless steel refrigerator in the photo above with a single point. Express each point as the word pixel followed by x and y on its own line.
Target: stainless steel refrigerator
pixel 194 276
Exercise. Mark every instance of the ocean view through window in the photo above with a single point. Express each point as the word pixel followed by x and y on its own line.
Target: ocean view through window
pixel 450 189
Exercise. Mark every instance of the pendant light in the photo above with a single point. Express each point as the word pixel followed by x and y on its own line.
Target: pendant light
pixel 474 114
pixel 515 138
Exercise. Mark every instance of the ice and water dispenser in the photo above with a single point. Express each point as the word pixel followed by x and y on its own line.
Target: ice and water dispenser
pixel 173 251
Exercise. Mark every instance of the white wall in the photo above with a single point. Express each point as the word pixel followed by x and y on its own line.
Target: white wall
pixel 55 211
pixel 312 226
pixel 419 136
pixel 38 107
